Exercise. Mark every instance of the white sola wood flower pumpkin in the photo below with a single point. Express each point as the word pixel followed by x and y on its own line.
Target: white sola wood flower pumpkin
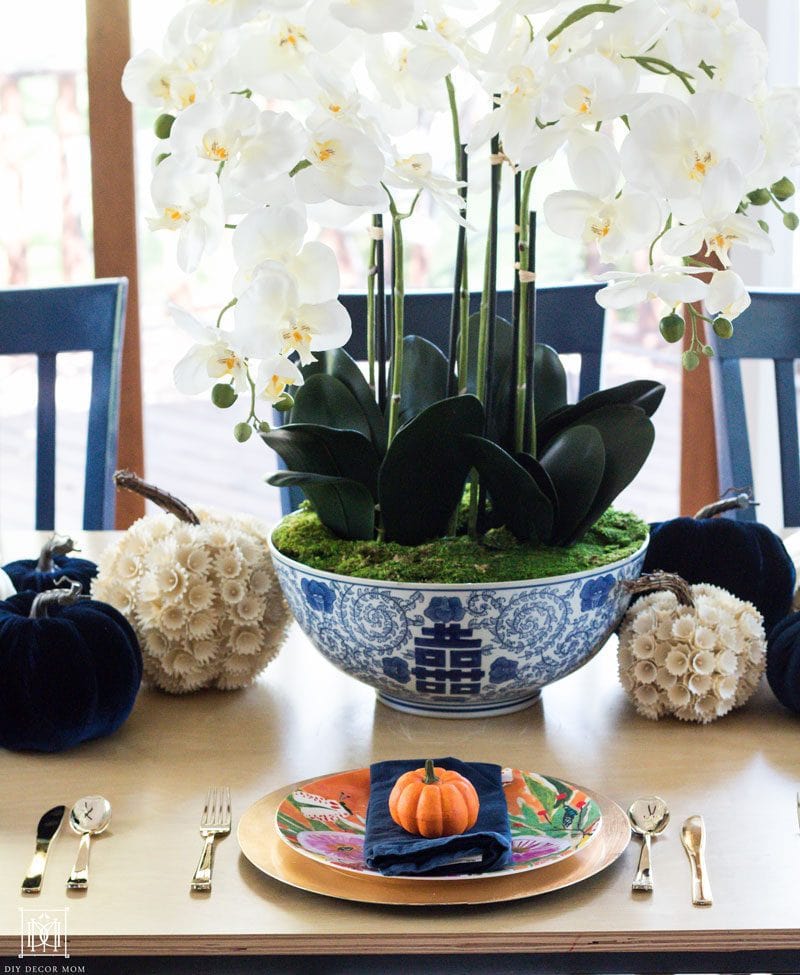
pixel 200 591
pixel 695 652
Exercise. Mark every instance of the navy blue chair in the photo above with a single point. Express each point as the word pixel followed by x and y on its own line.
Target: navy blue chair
pixel 769 329
pixel 567 317
pixel 72 318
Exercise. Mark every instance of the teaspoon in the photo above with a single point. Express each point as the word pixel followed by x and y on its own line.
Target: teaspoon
pixel 648 817
pixel 89 816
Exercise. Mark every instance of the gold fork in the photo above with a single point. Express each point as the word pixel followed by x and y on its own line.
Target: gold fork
pixel 215 821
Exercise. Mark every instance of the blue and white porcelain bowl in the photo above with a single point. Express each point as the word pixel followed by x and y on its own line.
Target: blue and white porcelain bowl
pixel 458 651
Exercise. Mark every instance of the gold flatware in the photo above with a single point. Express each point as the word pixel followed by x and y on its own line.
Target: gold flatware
pixel 89 817
pixel 46 832
pixel 648 817
pixel 693 837
pixel 215 821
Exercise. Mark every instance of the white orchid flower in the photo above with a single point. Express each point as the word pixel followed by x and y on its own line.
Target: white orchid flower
pixel 586 91
pixel 270 317
pixel 720 226
pixel 415 172
pixel 274 375
pixel 150 79
pixel 596 213
pixel 374 16
pixel 276 234
pixel 727 295
pixel 672 285
pixel 673 147
pixel 215 128
pixel 406 70
pixel 514 118
pixel 345 165
pixel 617 225
pixel 218 15
pixel 779 111
pixel 188 201
pixel 264 160
pixel 695 28
pixel 739 60
pixel 276 55
pixel 211 358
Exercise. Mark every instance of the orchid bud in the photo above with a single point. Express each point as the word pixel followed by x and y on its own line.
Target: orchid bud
pixel 723 328
pixel 691 360
pixel 242 432
pixel 784 189
pixel 223 395
pixel 163 125
pixel 672 327
pixel 759 198
pixel 791 221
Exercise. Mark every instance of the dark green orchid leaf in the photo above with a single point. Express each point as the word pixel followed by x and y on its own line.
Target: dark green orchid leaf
pixel 340 365
pixel 517 501
pixel 424 380
pixel 422 477
pixel 326 401
pixel 549 381
pixel 575 460
pixel 643 393
pixel 345 507
pixel 542 479
pixel 313 449
pixel 628 436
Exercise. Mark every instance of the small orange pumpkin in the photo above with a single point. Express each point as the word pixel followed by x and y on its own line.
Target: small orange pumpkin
pixel 434 802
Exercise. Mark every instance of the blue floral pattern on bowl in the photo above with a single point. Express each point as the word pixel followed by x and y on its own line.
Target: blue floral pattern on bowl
pixel 458 651
pixel 596 591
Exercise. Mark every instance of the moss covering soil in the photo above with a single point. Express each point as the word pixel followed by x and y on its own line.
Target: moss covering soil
pixel 499 558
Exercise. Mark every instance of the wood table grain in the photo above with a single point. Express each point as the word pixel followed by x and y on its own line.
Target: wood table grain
pixel 303 719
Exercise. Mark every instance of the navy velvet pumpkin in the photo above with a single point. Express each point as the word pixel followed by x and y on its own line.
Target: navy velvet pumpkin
pixel 66 677
pixel 54 563
pixel 783 662
pixel 744 557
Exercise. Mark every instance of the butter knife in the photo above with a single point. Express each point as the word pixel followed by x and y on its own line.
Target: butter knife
pixel 693 837
pixel 46 832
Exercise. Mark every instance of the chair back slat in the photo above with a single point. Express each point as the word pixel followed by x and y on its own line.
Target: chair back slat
pixel 567 317
pixel 72 318
pixel 787 438
pixel 768 329
pixel 46 442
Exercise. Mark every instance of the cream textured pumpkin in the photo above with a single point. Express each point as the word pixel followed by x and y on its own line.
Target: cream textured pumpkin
pixel 696 662
pixel 203 598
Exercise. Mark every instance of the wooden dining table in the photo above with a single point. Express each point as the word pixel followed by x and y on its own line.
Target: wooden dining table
pixel 303 719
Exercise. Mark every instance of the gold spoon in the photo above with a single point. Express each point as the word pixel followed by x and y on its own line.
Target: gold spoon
pixel 693 837
pixel 648 817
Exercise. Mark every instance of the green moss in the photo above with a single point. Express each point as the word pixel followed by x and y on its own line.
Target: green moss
pixel 302 537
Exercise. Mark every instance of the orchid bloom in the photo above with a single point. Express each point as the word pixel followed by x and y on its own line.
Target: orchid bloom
pixel 211 358
pixel 274 375
pixel 189 202
pixel 727 295
pixel 672 285
pixel 345 165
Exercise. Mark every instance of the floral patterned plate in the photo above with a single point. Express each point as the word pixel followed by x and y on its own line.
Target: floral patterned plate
pixel 550 820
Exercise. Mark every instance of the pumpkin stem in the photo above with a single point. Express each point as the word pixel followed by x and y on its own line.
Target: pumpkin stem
pixel 657 581
pixel 53 546
pixel 430 776
pixel 129 481
pixel 737 501
pixel 55 597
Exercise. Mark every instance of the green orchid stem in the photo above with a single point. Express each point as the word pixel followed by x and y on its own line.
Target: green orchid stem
pixel 523 260
pixel 303 164
pixel 398 310
pixel 227 307
pixel 372 271
pixel 580 13
pixel 380 309
pixel 650 256
pixel 529 424
pixel 659 66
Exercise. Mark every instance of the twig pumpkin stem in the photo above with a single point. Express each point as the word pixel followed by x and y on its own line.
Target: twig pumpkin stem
pixel 128 481
pixel 53 546
pixel 737 501
pixel 55 597
pixel 658 581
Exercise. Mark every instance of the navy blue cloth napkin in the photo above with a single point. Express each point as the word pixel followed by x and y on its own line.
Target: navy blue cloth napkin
pixel 395 852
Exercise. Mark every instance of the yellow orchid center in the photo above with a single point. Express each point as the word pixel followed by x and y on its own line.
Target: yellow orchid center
pixel 296 339
pixel 601 229
pixel 175 214
pixel 700 164
pixel 292 36
pixel 325 150
pixel 215 150
pixel 333 107
pixel 276 386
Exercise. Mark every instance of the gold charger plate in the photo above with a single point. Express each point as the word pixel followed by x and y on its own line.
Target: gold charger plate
pixel 263 847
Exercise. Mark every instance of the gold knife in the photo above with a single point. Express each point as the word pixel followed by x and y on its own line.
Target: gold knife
pixel 693 837
pixel 46 832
